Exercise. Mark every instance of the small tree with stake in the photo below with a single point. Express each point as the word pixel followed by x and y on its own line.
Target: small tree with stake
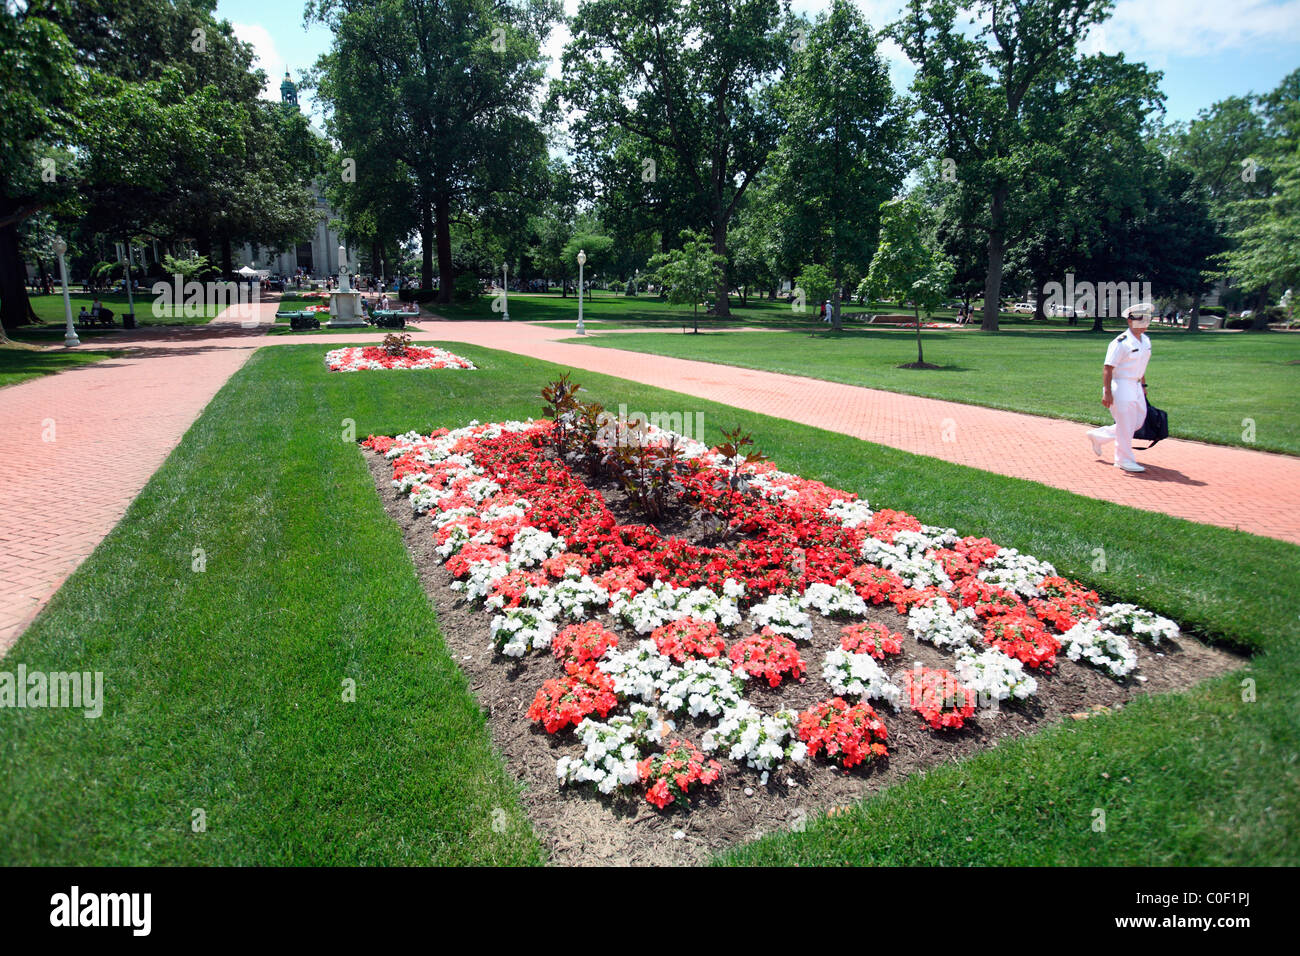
pixel 689 273
pixel 905 269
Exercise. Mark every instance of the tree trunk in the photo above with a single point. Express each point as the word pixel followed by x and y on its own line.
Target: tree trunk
pixel 920 358
pixel 1194 319
pixel 996 251
pixel 835 306
pixel 722 307
pixel 15 307
pixel 442 226
pixel 426 248
pixel 1040 296
pixel 227 258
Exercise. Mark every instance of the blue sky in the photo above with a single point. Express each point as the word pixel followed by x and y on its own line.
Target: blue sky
pixel 1207 49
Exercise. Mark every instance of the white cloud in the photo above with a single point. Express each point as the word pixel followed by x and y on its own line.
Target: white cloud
pixel 268 57
pixel 1154 29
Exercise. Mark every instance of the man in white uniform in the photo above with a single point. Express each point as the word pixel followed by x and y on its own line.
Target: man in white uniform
pixel 1124 390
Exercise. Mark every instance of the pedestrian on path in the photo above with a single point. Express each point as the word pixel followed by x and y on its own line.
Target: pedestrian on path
pixel 1123 389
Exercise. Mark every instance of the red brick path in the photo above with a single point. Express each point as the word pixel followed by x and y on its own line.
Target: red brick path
pixel 116 421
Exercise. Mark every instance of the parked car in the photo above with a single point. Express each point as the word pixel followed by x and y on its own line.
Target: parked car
pixel 1024 308
pixel 1060 310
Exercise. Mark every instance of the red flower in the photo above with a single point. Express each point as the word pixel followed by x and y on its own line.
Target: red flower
pixel 848 735
pixel 870 638
pixel 688 638
pixel 938 697
pixel 569 700
pixel 767 655
pixel 583 643
pixel 675 771
pixel 1017 634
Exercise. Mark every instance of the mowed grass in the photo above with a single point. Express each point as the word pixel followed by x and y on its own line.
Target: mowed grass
pixel 50 308
pixel 224 687
pixel 1227 388
pixel 19 365
pixel 645 310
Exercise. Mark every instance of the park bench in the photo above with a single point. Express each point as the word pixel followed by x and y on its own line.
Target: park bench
pixel 390 318
pixel 299 321
pixel 102 319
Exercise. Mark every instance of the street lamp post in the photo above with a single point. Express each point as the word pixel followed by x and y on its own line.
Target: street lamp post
pixel 70 336
pixel 582 261
pixel 505 294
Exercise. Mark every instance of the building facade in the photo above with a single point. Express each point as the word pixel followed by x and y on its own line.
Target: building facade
pixel 319 256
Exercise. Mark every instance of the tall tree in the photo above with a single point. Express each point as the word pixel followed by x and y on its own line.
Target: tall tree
pixel 841 154
pixel 692 80
pixel 973 89
pixel 458 81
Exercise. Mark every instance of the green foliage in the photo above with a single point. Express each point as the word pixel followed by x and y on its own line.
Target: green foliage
pixel 683 90
pixel 816 284
pixel 841 154
pixel 690 273
pixel 468 288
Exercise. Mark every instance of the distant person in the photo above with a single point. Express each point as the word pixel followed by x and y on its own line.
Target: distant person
pixel 1123 391
pixel 83 317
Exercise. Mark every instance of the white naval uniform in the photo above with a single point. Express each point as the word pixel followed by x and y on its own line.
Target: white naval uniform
pixel 1128 356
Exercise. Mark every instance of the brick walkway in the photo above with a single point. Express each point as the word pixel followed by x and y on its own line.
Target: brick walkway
pixel 115 422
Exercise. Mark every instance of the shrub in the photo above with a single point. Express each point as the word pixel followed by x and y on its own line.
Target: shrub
pixel 416 295
pixel 467 288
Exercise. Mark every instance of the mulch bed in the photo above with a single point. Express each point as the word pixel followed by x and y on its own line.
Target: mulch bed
pixel 580 826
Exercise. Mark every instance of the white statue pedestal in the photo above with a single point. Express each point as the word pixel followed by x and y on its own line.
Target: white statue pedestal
pixel 345 310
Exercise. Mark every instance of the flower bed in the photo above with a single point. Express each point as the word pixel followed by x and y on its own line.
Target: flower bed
pixel 666 646
pixel 372 357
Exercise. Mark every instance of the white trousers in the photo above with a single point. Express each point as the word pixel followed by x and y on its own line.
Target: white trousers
pixel 1129 411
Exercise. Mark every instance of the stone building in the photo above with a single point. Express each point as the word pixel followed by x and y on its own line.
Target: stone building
pixel 318 256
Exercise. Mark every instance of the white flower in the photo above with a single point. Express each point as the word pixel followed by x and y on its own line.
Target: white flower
pixel 1142 624
pixel 1016 572
pixel 517 629
pixel 573 597
pixel 937 623
pixel 611 749
pixel 636 671
pixel 840 600
pixel 907 557
pixel 756 739
pixel 850 513
pixel 699 687
pixel 532 546
pixel 782 615
pixel 993 675
pixel 662 602
pixel 1090 641
pixel 860 675
pixel 478 583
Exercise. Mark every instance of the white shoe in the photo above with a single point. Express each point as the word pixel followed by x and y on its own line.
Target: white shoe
pixel 1129 466
pixel 1096 445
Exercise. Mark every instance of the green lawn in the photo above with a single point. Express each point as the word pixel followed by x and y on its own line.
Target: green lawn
pixel 1210 383
pixel 18 365
pixel 50 309
pixel 223 689
pixel 651 311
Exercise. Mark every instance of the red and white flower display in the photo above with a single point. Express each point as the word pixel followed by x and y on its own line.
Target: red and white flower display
pixel 648 627
pixel 374 358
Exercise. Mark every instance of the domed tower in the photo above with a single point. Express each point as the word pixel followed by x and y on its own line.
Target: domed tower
pixel 288 92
